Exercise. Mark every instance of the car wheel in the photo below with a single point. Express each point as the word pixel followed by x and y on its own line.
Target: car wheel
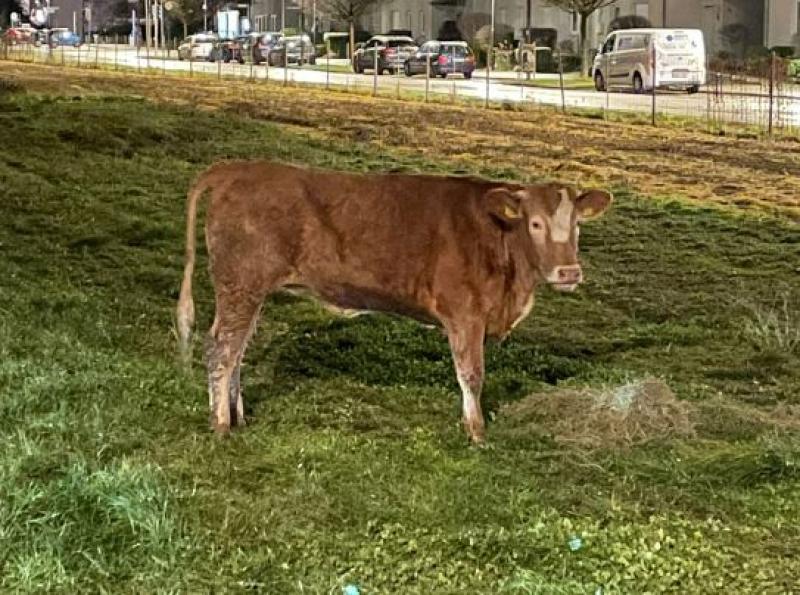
pixel 407 69
pixel 599 83
pixel 638 83
pixel 312 61
pixel 443 75
pixel 693 89
pixel 468 75
pixel 356 67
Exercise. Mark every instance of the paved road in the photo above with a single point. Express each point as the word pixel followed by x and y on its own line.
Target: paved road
pixel 744 108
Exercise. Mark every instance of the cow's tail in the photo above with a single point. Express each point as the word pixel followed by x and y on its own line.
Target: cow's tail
pixel 185 309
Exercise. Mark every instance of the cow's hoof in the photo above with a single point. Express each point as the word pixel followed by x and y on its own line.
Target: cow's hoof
pixel 476 433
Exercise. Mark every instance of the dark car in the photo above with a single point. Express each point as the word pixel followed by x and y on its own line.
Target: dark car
pixel 391 52
pixel 295 49
pixel 256 46
pixel 228 50
pixel 444 57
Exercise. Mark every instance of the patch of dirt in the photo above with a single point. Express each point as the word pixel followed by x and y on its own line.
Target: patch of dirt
pixel 535 143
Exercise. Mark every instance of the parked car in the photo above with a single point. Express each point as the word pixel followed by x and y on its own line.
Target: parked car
pixel 391 51
pixel 295 49
pixel 626 56
pixel 64 37
pixel 443 58
pixel 256 46
pixel 15 35
pixel 198 46
pixel 228 50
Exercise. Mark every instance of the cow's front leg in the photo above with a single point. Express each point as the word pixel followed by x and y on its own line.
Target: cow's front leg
pixel 466 344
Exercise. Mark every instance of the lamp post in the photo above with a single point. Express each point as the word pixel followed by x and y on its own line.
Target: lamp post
pixel 489 55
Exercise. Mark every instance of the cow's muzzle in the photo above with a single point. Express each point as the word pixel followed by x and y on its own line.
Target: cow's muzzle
pixel 565 278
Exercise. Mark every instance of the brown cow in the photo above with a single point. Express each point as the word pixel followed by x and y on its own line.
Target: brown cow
pixel 465 253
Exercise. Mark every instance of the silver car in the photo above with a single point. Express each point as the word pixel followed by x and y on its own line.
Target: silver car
pixel 198 47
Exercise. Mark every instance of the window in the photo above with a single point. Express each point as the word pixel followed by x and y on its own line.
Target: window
pixel 409 25
pixel 422 22
pixel 609 44
pixel 396 23
pixel 643 10
pixel 632 42
pixel 575 21
pixel 502 16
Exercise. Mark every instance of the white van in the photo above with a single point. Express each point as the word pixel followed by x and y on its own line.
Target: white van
pixel 625 60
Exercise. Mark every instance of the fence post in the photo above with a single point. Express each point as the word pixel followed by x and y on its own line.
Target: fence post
pixel 116 49
pixel 191 63
pixel 327 70
pixel 488 68
pixel 771 89
pixel 285 66
pixel 561 82
pixel 375 75
pixel 427 75
pixel 606 85
pixel 96 55
pixel 653 82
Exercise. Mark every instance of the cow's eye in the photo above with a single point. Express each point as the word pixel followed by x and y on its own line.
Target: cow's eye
pixel 536 225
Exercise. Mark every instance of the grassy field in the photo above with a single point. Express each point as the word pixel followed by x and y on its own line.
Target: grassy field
pixel 354 469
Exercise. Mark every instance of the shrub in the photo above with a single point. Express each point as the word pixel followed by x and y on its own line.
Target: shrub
pixel 783 51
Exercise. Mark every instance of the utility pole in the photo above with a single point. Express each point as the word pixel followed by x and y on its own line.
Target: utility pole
pixel 663 13
pixel 283 15
pixel 489 55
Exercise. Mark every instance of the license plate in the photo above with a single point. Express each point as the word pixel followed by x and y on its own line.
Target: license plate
pixel 680 74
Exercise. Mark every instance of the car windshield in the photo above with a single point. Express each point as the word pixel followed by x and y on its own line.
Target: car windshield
pixel 204 39
pixel 399 43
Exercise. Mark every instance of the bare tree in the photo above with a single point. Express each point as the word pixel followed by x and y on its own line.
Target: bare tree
pixel 584 8
pixel 629 21
pixel 346 11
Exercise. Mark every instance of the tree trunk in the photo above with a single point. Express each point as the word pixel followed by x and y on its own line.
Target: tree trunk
pixel 185 30
pixel 582 43
pixel 352 39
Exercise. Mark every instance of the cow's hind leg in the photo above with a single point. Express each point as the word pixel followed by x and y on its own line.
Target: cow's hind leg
pixel 235 400
pixel 233 325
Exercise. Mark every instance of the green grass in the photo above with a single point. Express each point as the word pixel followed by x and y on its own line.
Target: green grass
pixel 354 468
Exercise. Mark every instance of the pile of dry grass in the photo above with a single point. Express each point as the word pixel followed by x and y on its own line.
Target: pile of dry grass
pixel 617 417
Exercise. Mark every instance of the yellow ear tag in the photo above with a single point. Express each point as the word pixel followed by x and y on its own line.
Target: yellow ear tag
pixel 588 213
pixel 510 212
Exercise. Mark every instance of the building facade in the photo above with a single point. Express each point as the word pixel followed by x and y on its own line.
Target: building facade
pixel 728 25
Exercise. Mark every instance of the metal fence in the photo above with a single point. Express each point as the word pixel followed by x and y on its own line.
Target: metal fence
pixel 759 97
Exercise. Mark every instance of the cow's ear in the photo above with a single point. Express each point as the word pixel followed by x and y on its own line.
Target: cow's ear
pixel 592 204
pixel 504 207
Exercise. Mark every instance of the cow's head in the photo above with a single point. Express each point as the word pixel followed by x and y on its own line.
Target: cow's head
pixel 544 219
